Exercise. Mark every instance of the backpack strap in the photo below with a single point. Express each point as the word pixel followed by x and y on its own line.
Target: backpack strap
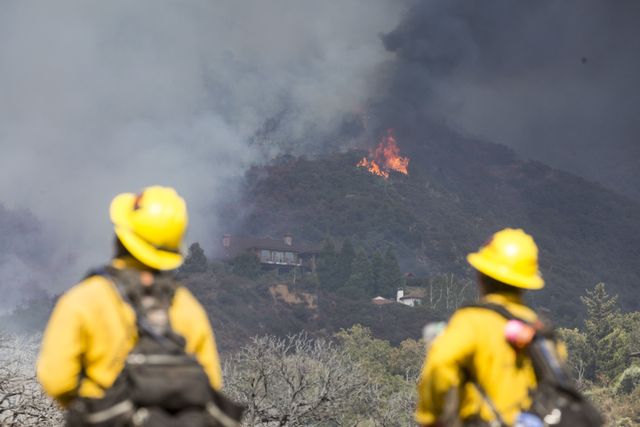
pixel 502 311
pixel 546 364
pixel 130 290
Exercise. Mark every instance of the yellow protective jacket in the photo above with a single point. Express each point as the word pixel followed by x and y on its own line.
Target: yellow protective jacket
pixel 473 344
pixel 92 330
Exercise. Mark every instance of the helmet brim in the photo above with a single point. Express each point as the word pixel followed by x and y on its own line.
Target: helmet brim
pixel 503 274
pixel 159 259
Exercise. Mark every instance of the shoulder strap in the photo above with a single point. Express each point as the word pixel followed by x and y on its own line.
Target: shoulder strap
pixel 501 310
pixel 122 286
pixel 542 352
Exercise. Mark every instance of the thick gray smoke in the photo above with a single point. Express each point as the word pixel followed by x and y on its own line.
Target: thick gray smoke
pixel 99 97
pixel 555 80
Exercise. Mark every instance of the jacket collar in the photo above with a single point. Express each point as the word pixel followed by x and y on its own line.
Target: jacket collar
pixel 503 299
pixel 124 263
pixel 513 303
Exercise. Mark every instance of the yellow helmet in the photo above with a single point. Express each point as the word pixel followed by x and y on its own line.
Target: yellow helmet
pixel 151 225
pixel 510 256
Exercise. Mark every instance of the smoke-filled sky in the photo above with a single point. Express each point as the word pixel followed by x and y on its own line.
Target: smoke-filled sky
pixel 102 97
pixel 99 97
pixel 558 81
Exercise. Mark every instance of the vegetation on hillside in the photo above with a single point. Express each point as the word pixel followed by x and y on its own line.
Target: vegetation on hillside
pixel 446 207
pixel 375 230
pixel 353 378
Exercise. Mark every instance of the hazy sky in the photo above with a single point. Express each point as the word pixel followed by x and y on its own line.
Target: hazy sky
pixel 99 97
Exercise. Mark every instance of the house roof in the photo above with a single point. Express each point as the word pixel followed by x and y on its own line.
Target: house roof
pixel 381 300
pixel 413 293
pixel 239 244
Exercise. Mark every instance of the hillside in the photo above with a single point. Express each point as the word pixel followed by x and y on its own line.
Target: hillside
pixel 240 308
pixel 454 197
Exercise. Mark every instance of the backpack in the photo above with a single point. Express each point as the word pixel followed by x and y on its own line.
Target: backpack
pixel 555 401
pixel 161 385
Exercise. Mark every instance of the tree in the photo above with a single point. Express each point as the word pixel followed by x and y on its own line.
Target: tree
pixel 195 261
pixel 344 263
pixel 445 293
pixel 602 310
pixel 376 273
pixel 630 322
pixel 390 278
pixel 391 372
pixel 361 279
pixel 296 381
pixel 580 354
pixel 247 264
pixel 628 380
pixel 608 342
pixel 328 268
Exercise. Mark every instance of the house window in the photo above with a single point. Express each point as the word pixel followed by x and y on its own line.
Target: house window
pixel 290 257
pixel 265 255
pixel 278 256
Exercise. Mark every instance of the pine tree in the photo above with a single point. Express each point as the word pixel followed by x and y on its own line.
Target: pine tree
pixel 195 261
pixel 376 273
pixel 390 278
pixel 344 262
pixel 602 310
pixel 328 270
pixel 605 341
pixel 361 277
pixel 247 264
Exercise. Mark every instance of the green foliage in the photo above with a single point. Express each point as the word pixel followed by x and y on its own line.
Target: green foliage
pixel 384 363
pixel 628 380
pixel 376 273
pixel 195 261
pixel 408 358
pixel 360 283
pixel 620 410
pixel 247 265
pixel 392 370
pixel 329 266
pixel 241 307
pixel 606 339
pixel 630 323
pixel 373 354
pixel 343 263
pixel 612 355
pixel 447 206
pixel 602 310
pixel 390 276
pixel 581 354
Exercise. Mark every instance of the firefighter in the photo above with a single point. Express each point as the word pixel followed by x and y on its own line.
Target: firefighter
pixel 471 363
pixel 94 326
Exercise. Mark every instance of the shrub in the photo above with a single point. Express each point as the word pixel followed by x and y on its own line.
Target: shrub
pixel 628 380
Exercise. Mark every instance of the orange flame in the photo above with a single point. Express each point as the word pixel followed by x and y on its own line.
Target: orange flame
pixel 385 158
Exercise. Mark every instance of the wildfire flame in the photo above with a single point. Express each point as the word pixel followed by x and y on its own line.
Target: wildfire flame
pixel 385 158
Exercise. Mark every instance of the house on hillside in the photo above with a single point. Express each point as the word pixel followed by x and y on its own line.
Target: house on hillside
pixel 281 255
pixel 410 296
pixel 381 301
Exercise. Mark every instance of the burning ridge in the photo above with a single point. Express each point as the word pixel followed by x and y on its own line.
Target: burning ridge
pixel 385 158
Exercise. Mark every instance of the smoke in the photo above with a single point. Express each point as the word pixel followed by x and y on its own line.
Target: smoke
pixel 104 97
pixel 556 81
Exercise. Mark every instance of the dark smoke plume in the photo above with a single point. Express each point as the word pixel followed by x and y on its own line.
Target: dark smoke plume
pixel 555 80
